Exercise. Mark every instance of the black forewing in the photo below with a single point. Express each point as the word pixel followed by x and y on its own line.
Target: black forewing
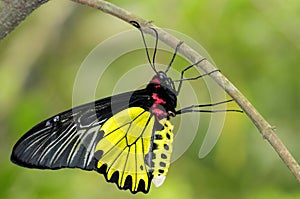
pixel 68 139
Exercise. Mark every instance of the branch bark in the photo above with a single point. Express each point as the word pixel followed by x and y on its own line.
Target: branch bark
pixel 20 9
pixel 13 12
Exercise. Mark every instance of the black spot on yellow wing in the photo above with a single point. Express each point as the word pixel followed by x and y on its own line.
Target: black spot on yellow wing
pixel 98 154
pixel 122 152
pixel 168 135
pixel 154 146
pixel 164 156
pixel 166 147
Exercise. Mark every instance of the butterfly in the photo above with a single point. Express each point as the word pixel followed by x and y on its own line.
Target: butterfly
pixel 126 137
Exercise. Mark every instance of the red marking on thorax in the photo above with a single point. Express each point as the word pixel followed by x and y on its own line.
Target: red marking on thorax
pixel 158 112
pixel 157 99
pixel 155 80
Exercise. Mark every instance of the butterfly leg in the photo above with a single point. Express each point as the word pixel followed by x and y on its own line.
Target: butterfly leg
pixel 192 78
pixel 174 55
pixel 193 108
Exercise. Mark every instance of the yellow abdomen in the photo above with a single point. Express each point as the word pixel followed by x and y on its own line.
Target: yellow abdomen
pixel 162 150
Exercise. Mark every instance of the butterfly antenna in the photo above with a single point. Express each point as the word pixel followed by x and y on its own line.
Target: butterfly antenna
pixel 173 57
pixel 190 109
pixel 156 44
pixel 137 25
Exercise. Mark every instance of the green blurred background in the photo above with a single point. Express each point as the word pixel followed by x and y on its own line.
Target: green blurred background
pixel 256 44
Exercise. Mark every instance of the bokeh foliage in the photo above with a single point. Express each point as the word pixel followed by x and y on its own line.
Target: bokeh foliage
pixel 256 44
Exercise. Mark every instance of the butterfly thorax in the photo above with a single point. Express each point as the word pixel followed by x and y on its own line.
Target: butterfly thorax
pixel 163 96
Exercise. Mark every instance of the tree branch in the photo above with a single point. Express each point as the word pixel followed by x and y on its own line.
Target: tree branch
pixel 15 11
pixel 262 125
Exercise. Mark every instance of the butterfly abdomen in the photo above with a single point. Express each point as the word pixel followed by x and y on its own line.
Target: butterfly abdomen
pixel 161 152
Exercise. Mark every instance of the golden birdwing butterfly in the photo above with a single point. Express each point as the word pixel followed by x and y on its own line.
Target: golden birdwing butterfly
pixel 127 137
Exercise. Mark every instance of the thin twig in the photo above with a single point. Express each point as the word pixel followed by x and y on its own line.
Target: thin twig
pixel 262 125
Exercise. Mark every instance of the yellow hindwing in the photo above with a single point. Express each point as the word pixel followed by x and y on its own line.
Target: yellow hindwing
pixel 121 152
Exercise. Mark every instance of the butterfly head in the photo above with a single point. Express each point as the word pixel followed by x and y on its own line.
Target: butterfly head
pixel 163 80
